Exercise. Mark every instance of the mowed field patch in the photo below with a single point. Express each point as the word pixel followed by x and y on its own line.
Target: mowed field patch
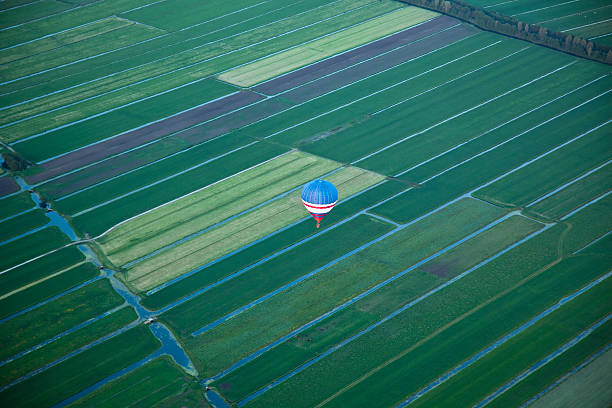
pixel 190 216
pixel 321 48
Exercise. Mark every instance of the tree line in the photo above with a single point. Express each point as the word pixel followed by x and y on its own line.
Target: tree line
pixel 499 23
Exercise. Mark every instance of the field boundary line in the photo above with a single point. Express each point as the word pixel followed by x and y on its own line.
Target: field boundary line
pixel 390 316
pixel 358 297
pixel 593 201
pixel 573 14
pixel 542 362
pixel 223 221
pixel 18 214
pixel 580 136
pixel 159 59
pixel 248 267
pixel 499 126
pixel 587 25
pixel 28 232
pixel 62 334
pixel 34 283
pixel 544 8
pixel 192 192
pixel 73 353
pixel 593 242
pixel 180 173
pixel 382 90
pixel 454 321
pixel 176 70
pixel 569 183
pixel 521 134
pixel 457 369
pixel 566 376
pixel 234 111
pixel 44 302
pixel 79 242
pixel 465 111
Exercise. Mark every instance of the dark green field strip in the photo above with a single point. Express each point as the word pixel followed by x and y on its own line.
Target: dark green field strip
pixel 83 370
pixel 268 247
pixel 131 161
pixel 15 204
pixel 39 269
pixel 139 54
pixel 486 167
pixel 104 42
pixel 575 23
pixel 481 247
pixel 554 170
pixel 112 123
pixel 574 195
pixel 447 135
pixel 273 274
pixel 365 87
pixel 551 14
pixel 64 345
pixel 590 223
pixel 33 11
pixel 579 90
pixel 61 39
pixel 176 14
pixel 30 246
pixel 47 289
pixel 31 328
pixel 485 376
pixel 416 323
pixel 466 56
pixel 540 379
pixel 159 383
pixel 123 184
pixel 439 332
pixel 296 351
pixel 13 3
pixel 101 219
pixel 388 126
pixel 22 224
pixel 64 21
pixel 251 330
pixel 181 69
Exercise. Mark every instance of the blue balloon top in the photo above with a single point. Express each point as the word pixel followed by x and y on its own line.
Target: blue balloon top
pixel 320 192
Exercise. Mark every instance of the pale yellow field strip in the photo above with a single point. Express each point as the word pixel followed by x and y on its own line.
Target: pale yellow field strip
pixel 29 285
pixel 313 51
pixel 238 232
pixel 192 213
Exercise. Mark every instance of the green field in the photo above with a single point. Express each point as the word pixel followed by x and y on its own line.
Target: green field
pixel 59 382
pixel 51 352
pixel 316 50
pixel 37 325
pixel 236 233
pixel 159 383
pixel 171 138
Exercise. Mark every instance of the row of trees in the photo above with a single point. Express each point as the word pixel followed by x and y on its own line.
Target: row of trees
pixel 493 21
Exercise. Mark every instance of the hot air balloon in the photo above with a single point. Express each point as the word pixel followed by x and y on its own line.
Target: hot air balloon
pixel 319 197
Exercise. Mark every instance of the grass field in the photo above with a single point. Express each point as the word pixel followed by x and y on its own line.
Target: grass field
pixel 159 383
pixel 466 262
pixel 31 328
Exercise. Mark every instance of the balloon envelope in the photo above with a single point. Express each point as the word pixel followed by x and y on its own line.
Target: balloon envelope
pixel 319 197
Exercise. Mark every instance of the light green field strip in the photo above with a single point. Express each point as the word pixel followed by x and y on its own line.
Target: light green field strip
pixel 209 205
pixel 588 388
pixel 187 66
pixel 286 61
pixel 238 232
pixel 124 35
pixel 62 39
